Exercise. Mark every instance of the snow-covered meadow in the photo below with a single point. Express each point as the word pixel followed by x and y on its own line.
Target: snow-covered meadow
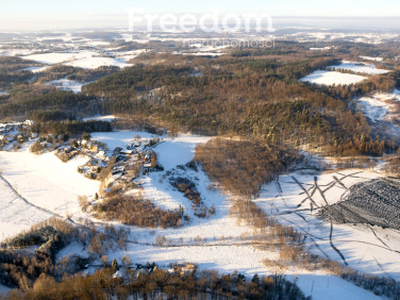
pixel 380 106
pixel 359 68
pixel 37 187
pixel 382 110
pixel 322 77
pixel 67 85
pixel 371 58
pixel 336 75
pixel 81 59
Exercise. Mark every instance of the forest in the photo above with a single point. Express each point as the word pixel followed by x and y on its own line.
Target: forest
pixel 248 96
pixel 249 92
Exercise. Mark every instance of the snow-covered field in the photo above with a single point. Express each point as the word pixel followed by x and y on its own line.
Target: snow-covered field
pixel 36 187
pixel 108 118
pixel 335 77
pixel 371 58
pixel 97 61
pixel 67 85
pixel 367 248
pixel 86 59
pixel 126 55
pixel 17 52
pixel 15 214
pixel 321 77
pixel 120 138
pixel 382 109
pixel 359 68
pixel 60 57
pixel 179 150
pixel 380 106
pixel 321 49
pixel 36 69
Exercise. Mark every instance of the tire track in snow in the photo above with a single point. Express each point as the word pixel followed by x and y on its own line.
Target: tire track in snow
pixel 27 201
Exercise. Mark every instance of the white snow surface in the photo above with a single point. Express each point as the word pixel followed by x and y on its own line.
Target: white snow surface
pixel 67 85
pixel 179 150
pixel 379 106
pixel 36 69
pixel 371 58
pixel 359 68
pixel 17 52
pixel 97 61
pixel 45 182
pixel 383 110
pixel 15 214
pixel 321 77
pixel 320 49
pixel 81 59
pixel 60 57
pixel 362 249
pixel 108 118
pixel 120 138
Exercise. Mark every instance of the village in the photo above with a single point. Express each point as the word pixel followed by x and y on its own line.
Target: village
pixel 125 164
pixel 119 167
pixel 18 132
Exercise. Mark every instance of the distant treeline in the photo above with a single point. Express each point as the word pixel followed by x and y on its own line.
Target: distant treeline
pixel 67 127
pixel 25 99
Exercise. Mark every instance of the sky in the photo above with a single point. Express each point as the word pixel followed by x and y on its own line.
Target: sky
pixel 52 14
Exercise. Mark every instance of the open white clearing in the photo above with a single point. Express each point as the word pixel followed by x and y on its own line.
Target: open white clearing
pixel 67 85
pixel 120 138
pixel 383 110
pixel 321 77
pixel 371 58
pixel 380 106
pixel 15 214
pixel 36 69
pixel 97 61
pixel 43 180
pixel 81 59
pixel 59 57
pixel 360 68
pixel 108 118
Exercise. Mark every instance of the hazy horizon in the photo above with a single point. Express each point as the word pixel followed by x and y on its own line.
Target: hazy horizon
pixel 22 15
pixel 279 22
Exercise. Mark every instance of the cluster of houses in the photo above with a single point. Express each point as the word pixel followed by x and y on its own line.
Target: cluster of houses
pixel 184 268
pixel 128 163
pixel 14 132
pixel 134 160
